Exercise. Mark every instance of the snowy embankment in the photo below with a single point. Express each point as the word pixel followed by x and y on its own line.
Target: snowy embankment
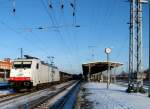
pixel 113 98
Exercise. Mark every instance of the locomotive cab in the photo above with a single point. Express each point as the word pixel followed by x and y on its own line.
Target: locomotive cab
pixel 20 76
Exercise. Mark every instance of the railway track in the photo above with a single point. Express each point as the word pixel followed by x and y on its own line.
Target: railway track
pixel 45 102
pixel 7 97
pixel 31 100
pixel 60 99
pixel 11 96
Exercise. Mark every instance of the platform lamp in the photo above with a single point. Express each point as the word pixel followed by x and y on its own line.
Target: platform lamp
pixel 108 51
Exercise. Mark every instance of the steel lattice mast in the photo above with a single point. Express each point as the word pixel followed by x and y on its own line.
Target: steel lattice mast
pixel 135 44
pixel 139 44
pixel 131 42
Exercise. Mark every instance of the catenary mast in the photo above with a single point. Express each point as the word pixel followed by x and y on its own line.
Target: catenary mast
pixel 135 45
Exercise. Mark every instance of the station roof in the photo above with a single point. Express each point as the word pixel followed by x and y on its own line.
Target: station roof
pixel 97 67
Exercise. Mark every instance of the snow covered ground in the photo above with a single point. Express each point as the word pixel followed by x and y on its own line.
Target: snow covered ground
pixel 5 92
pixel 26 99
pixel 96 96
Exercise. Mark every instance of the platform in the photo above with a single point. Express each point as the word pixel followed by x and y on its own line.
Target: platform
pixel 96 96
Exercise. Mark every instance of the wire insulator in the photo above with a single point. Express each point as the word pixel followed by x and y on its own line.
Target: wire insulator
pixel 50 4
pixel 14 5
pixel 14 10
pixel 40 28
pixel 62 6
pixel 72 5
pixel 73 13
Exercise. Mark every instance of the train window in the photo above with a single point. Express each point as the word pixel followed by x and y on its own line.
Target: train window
pixel 27 62
pixel 26 65
pixel 22 64
pixel 37 66
pixel 17 62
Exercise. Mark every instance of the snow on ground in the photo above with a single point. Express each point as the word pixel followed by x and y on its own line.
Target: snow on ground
pixel 115 97
pixel 5 92
pixel 15 103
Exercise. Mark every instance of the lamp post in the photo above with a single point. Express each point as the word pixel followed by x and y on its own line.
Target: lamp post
pixel 108 51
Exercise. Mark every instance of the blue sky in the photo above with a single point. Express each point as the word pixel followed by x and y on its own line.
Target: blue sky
pixel 103 24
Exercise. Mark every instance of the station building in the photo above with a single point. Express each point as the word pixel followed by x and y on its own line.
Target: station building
pixel 5 68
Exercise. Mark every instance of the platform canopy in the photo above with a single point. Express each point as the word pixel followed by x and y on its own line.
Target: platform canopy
pixel 96 67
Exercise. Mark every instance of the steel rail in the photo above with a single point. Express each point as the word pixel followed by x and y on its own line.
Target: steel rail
pixel 38 102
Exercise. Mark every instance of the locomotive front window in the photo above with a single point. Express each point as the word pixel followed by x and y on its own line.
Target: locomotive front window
pixel 24 65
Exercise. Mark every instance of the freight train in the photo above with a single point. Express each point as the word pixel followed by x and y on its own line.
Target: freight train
pixel 64 77
pixel 31 72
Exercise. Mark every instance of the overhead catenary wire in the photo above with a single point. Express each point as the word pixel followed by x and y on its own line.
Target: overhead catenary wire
pixel 105 21
pixel 23 38
pixel 47 11
pixel 73 7
pixel 71 44
pixel 21 33
pixel 54 22
pixel 26 37
pixel 44 28
pixel 71 33
pixel 29 39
